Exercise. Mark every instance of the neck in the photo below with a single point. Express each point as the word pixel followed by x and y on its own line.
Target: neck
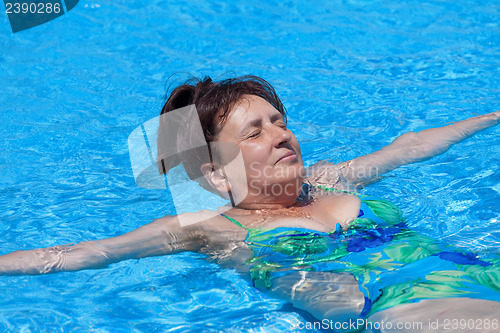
pixel 267 205
pixel 270 196
pixel 258 202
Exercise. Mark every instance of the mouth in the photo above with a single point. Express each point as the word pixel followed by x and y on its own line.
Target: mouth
pixel 290 156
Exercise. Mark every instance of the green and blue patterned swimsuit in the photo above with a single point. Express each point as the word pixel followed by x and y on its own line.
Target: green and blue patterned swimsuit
pixel 392 264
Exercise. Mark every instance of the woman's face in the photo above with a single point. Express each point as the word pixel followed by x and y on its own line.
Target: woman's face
pixel 273 167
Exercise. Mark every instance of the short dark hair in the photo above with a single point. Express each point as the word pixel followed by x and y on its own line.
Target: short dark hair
pixel 214 101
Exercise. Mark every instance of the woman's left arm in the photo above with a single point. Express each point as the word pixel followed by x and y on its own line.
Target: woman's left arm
pixel 409 148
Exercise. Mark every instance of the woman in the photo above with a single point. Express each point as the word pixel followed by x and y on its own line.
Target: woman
pixel 277 203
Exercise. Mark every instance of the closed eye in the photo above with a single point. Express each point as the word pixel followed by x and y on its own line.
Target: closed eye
pixel 281 124
pixel 254 134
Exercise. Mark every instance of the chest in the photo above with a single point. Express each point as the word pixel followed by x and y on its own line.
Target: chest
pixel 333 210
pixel 323 215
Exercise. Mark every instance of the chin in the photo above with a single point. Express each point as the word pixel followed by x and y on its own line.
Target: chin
pixel 294 171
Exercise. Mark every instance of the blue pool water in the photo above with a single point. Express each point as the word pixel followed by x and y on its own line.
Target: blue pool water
pixel 353 74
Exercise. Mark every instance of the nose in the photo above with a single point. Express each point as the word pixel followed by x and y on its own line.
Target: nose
pixel 281 136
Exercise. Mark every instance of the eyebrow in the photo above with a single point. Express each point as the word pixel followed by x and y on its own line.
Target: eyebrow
pixel 258 122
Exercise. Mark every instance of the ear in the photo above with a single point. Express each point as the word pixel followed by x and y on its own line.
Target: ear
pixel 215 178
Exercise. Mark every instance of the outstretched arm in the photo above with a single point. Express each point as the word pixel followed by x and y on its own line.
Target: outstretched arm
pixel 408 148
pixel 163 236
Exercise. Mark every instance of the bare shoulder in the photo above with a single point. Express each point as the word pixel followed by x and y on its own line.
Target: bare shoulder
pixel 206 224
pixel 220 230
pixel 325 173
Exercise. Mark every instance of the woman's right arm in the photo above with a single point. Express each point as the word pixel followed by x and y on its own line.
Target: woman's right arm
pixel 163 236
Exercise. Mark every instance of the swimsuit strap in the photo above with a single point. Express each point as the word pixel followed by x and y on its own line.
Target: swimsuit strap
pixel 235 222
pixel 252 233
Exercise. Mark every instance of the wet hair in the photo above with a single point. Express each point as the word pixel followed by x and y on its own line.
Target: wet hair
pixel 214 101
